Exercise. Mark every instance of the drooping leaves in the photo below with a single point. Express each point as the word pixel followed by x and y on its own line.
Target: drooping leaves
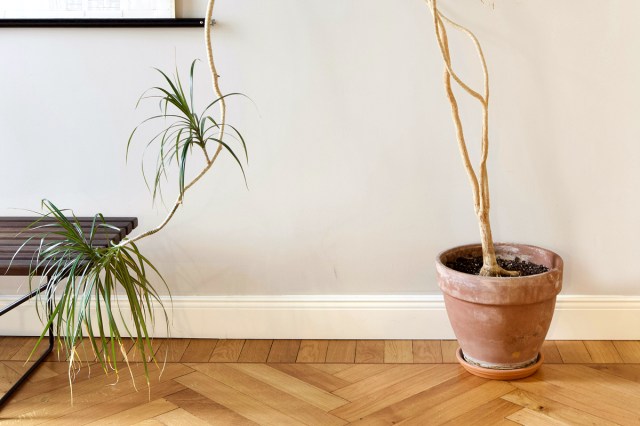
pixel 84 283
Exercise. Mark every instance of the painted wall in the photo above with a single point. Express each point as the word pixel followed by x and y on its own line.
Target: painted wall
pixel 354 175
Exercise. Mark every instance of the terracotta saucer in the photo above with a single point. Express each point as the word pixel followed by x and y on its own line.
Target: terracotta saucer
pixel 490 373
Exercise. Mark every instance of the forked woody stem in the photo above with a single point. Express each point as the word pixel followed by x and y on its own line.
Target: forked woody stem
pixel 479 185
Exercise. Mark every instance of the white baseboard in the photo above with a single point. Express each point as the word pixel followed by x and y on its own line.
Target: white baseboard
pixel 355 317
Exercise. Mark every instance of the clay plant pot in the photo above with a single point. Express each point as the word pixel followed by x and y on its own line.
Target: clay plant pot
pixel 500 323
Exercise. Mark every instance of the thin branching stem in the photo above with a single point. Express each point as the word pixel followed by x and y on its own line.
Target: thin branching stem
pixel 479 184
pixel 221 129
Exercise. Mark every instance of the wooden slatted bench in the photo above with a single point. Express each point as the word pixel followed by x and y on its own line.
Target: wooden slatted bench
pixel 14 232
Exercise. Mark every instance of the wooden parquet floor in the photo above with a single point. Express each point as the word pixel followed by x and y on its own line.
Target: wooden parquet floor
pixel 327 382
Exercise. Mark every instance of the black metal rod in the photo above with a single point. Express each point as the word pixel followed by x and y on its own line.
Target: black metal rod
pixel 23 299
pixel 102 23
pixel 8 394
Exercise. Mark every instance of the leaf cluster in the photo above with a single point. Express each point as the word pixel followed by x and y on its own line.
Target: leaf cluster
pixel 84 284
pixel 183 130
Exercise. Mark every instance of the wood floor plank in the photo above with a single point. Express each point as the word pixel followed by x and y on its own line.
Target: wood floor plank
pixel 227 350
pixel 312 351
pixel 121 349
pixel 369 352
pixel 135 355
pixel 398 352
pixel 29 344
pixel 448 410
pixel 42 373
pixel 284 351
pixel 309 373
pixel 84 351
pixel 10 345
pixel 236 401
pixel 376 383
pixel 177 417
pixel 107 402
pixel 594 401
pixel 530 417
pixel 548 408
pixel 629 350
pixel 437 393
pixel 283 401
pixel 50 403
pixel 573 351
pixel 550 352
pixel 8 376
pixel 382 405
pixel 255 351
pixel 503 422
pixel 137 414
pixel 332 368
pixel 55 404
pixel 171 350
pixel 150 422
pixel 126 349
pixel 451 408
pixel 599 380
pixel 492 413
pixel 626 371
pixel 199 350
pixel 427 351
pixel 207 410
pixel 603 352
pixel 280 380
pixel 49 384
pixel 341 351
pixel 449 348
pixel 360 372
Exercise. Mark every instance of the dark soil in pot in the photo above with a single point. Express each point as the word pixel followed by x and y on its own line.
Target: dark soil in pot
pixel 472 265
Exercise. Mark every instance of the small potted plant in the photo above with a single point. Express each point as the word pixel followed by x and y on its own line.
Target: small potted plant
pixel 500 298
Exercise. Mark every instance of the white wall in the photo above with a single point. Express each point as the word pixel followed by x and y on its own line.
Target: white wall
pixel 355 180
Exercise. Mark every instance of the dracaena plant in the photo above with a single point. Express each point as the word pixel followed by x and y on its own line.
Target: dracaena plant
pixel 84 280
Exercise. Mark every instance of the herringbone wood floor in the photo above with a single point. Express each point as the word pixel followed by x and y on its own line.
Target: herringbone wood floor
pixel 282 382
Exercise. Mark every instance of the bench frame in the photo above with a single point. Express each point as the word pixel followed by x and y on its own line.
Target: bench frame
pixel 42 357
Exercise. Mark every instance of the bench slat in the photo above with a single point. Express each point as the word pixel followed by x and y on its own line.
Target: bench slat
pixel 9 236
pixel 13 234
pixel 36 241
pixel 21 223
pixel 81 219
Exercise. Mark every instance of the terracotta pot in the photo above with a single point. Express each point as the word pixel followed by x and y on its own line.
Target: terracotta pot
pixel 501 323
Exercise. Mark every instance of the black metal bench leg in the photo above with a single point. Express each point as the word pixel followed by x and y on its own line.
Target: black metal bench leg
pixel 40 360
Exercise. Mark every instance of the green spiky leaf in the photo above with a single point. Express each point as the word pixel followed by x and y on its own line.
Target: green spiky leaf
pixel 182 130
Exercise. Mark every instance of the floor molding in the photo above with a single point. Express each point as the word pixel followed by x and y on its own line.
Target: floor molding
pixel 355 317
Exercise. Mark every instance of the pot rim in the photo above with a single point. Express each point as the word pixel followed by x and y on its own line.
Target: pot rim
pixel 552 269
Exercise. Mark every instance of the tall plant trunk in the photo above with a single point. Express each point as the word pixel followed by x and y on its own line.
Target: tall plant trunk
pixel 479 185
pixel 490 265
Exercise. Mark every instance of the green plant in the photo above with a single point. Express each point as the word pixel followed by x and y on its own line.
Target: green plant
pixel 84 280
pixel 82 288
pixel 189 130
